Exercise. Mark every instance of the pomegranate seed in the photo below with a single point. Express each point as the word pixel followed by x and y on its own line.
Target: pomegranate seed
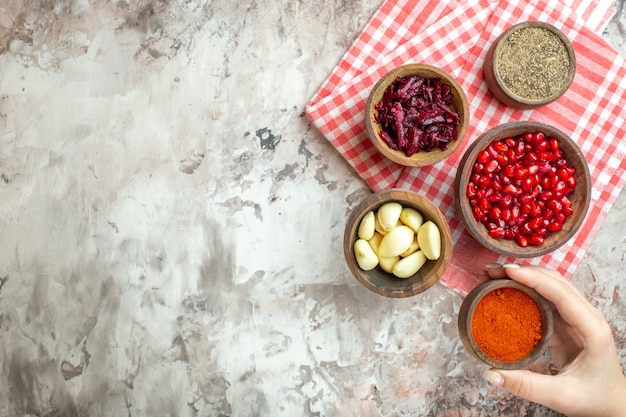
pixel 554 227
pixel 528 184
pixel 536 240
pixel 483 157
pixel 495 198
pixel 563 174
pixel 495 213
pixel 567 211
pixel 566 202
pixel 521 240
pixel 500 146
pixel 507 200
pixel 497 233
pixel 511 154
pixel 478 213
pixel 535 209
pixel 520 172
pixel 470 192
pixel 510 189
pixel 545 156
pixel 506 214
pixel 508 170
pixel 554 144
pixel 545 195
pixel 571 182
pixel 510 142
pixel 535 223
pixel 525 229
pixel 542 145
pixel 491 166
pixel 484 182
pixel 484 204
pixel 560 186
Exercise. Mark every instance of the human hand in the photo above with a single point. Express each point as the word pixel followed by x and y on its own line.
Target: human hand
pixel 590 381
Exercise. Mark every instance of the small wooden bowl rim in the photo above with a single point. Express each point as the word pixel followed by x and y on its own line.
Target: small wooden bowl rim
pixel 460 105
pixel 465 323
pixel 580 198
pixel 526 102
pixel 381 282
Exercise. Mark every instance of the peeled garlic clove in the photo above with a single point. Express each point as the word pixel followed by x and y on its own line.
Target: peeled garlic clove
pixel 375 242
pixel 388 215
pixel 379 228
pixel 408 266
pixel 429 239
pixel 387 264
pixel 367 227
pixel 364 254
pixel 414 247
pixel 396 241
pixel 411 218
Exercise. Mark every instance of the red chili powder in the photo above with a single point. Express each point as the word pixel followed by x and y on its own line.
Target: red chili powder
pixel 507 324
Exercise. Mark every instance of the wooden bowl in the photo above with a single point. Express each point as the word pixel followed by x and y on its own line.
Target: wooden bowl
pixel 501 88
pixel 384 283
pixel 580 197
pixel 468 306
pixel 423 158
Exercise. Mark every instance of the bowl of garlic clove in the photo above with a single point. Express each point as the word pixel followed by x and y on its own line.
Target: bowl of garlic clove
pixel 397 243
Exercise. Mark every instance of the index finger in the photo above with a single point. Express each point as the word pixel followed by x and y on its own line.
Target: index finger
pixel 575 310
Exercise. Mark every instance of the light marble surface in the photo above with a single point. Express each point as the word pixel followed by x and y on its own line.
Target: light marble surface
pixel 171 225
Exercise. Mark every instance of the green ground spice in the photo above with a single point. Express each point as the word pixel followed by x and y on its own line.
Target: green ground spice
pixel 533 63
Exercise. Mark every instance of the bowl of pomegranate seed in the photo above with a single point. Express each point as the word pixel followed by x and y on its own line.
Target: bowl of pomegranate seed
pixel 397 243
pixel 523 189
pixel 417 115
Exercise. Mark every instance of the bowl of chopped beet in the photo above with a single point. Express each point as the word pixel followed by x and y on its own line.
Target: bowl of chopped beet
pixel 523 189
pixel 417 115
pixel 530 65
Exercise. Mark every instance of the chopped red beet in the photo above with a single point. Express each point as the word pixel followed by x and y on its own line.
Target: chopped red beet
pixel 415 114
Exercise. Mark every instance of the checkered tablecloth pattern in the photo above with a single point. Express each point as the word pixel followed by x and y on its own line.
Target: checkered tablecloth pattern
pixel 455 36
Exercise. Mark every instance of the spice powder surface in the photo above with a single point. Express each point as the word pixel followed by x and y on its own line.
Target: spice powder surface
pixel 533 63
pixel 507 324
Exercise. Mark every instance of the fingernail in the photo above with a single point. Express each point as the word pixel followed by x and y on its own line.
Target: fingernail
pixel 511 266
pixel 492 266
pixel 493 377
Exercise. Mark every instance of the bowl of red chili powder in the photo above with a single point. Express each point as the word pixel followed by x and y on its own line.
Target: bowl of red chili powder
pixel 505 324
pixel 417 115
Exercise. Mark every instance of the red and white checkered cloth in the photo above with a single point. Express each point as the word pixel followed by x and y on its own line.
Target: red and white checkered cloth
pixel 455 36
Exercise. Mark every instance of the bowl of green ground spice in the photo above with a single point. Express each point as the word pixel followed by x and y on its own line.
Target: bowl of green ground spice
pixel 530 65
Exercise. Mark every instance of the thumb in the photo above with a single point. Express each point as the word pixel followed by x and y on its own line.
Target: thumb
pixel 538 388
